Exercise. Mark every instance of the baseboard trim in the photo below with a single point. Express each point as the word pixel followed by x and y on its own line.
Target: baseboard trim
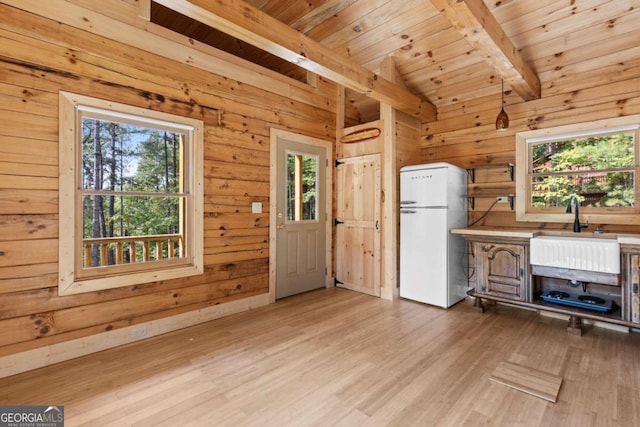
pixel 40 357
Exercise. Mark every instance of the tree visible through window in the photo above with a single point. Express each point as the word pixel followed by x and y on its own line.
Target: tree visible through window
pixel 131 188
pixel 302 188
pixel 598 169
pixel 130 195
pixel 596 161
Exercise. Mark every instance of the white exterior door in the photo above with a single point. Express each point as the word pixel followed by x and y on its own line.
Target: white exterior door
pixel 301 224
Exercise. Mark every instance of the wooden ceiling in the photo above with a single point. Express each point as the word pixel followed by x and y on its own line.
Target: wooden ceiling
pixel 443 55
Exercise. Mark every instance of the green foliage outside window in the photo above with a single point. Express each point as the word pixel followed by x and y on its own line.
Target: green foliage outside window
pixel 131 179
pixel 598 169
pixel 306 183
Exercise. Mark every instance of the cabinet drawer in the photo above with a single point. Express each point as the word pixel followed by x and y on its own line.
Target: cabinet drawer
pixel 497 287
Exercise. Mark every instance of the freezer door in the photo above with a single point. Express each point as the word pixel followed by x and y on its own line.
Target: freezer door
pixel 424 187
pixel 423 255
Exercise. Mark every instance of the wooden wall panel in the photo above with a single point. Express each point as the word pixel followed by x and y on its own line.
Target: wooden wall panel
pixel 407 143
pixel 28 202
pixel 465 133
pixel 38 58
pixel 360 148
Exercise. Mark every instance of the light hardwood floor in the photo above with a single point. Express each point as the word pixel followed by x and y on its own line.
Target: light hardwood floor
pixel 335 357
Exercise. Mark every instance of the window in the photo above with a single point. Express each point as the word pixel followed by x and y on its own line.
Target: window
pixel 597 162
pixel 130 195
pixel 302 176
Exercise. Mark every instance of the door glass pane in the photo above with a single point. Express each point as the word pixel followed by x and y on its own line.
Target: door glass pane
pixel 302 187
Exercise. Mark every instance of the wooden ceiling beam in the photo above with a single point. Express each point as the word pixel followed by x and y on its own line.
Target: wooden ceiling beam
pixel 473 19
pixel 244 22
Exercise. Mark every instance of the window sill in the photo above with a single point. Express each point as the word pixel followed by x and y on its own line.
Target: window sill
pixel 68 286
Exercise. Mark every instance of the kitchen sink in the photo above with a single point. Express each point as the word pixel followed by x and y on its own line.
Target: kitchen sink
pixel 576 253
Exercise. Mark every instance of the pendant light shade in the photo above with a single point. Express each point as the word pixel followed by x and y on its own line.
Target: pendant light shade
pixel 502 121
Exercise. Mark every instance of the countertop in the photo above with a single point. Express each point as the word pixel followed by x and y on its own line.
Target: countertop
pixel 497 232
pixel 623 239
pixel 629 239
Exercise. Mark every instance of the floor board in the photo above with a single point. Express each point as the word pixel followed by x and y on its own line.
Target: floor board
pixel 528 380
pixel 339 358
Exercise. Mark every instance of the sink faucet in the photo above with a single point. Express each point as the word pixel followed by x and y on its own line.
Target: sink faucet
pixel 576 222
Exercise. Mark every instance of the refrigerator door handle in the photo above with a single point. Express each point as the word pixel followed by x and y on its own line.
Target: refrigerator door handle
pixel 408 202
pixel 404 211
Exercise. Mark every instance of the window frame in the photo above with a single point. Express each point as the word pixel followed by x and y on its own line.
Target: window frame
pixel 72 277
pixel 598 215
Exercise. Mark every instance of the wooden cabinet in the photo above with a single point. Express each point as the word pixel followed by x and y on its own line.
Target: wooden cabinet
pixel 502 269
pixel 503 274
pixel 631 291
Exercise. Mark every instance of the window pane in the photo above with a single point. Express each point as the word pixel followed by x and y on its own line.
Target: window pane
pixel 123 157
pixel 594 189
pixel 596 168
pixel 584 154
pixel 130 251
pixel 302 184
pixel 121 226
pixel 119 216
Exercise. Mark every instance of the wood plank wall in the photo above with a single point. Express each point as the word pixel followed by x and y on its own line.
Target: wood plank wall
pixel 465 134
pixel 39 57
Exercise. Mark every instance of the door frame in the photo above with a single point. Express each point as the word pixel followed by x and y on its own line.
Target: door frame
pixel 275 136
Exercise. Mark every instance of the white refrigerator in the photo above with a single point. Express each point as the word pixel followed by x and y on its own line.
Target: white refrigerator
pixel 433 199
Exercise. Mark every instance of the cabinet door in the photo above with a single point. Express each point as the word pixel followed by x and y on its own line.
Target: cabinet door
pixel 633 293
pixel 501 270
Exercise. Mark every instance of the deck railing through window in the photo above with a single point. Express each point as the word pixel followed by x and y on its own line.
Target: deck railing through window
pixel 107 251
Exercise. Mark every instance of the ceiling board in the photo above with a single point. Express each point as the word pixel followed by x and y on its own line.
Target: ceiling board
pixel 324 12
pixel 572 30
pixel 474 21
pixel 554 37
pixel 398 34
pixel 347 18
pixel 585 44
pixel 240 20
pixel 371 27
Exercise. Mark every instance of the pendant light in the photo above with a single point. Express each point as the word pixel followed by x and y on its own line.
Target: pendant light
pixel 502 121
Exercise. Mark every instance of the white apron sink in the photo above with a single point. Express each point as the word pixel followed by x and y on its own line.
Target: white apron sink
pixel 576 253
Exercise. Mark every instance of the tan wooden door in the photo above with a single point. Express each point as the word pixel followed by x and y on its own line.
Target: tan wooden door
pixel 358 224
